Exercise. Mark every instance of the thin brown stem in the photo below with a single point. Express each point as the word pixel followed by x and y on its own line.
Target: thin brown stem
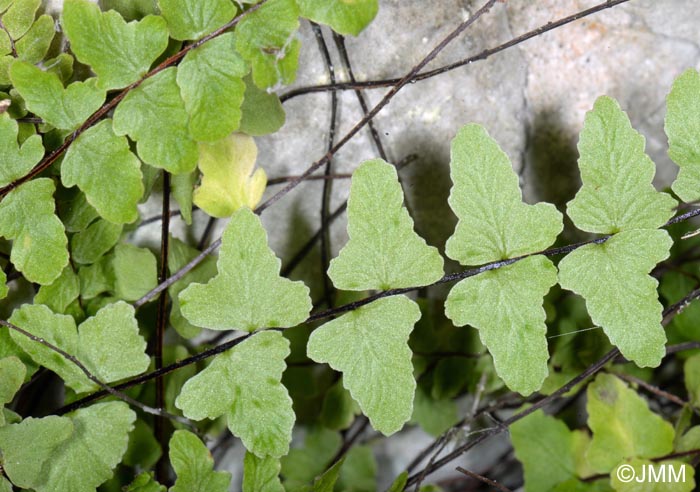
pixel 340 44
pixel 161 324
pixel 327 184
pixel 483 479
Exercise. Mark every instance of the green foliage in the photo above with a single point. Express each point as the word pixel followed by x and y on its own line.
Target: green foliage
pixel 187 101
pixel 27 216
pixel 154 115
pixel 23 37
pixel 61 293
pixel 211 84
pixel 504 304
pixel 75 454
pixel 617 194
pixel 108 344
pixel 103 167
pixel 261 112
pixel 494 224
pixel 89 245
pixel 228 180
pixel 384 252
pixel 44 94
pixel 261 474
pixel 623 426
pixel 12 373
pixel 194 465
pixel 683 129
pixel 179 255
pixel 119 53
pixel 613 278
pixel 257 406
pixel 343 16
pixel 192 19
pixel 131 272
pixel 617 197
pixel 265 38
pixel 17 160
pixel 369 346
pixel 559 451
pixel 248 293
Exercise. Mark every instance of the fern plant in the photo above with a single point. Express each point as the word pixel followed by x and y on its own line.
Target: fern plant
pixel 179 92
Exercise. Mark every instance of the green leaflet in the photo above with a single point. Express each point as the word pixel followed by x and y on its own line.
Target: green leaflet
pixel 179 254
pixel 359 471
pixel 75 453
pixel 683 130
pixel 302 465
pixel 384 252
pixel 229 180
pixel 691 371
pixel 39 240
pixel 181 188
pixel 143 450
pixel 119 53
pixel 89 245
pixel 345 17
pixel 369 346
pixel 23 464
pixel 617 193
pixel 108 344
pixel 548 450
pixel 261 474
pixel 4 289
pixel 623 426
pixel 506 306
pixel 12 373
pixel 257 406
pixel 154 115
pixel 103 167
pixel 644 481
pixel 193 19
pixel 17 160
pixel 194 465
pixel 494 223
pixel 339 409
pixel 18 18
pixel 261 111
pixel 210 81
pixel 327 481
pixel 44 94
pixel 434 416
pixel 145 483
pixel 75 212
pixel 399 484
pixel 620 295
pixel 132 272
pixel 248 292
pixel 266 38
pixel 61 293
pixel 131 9
pixel 31 39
